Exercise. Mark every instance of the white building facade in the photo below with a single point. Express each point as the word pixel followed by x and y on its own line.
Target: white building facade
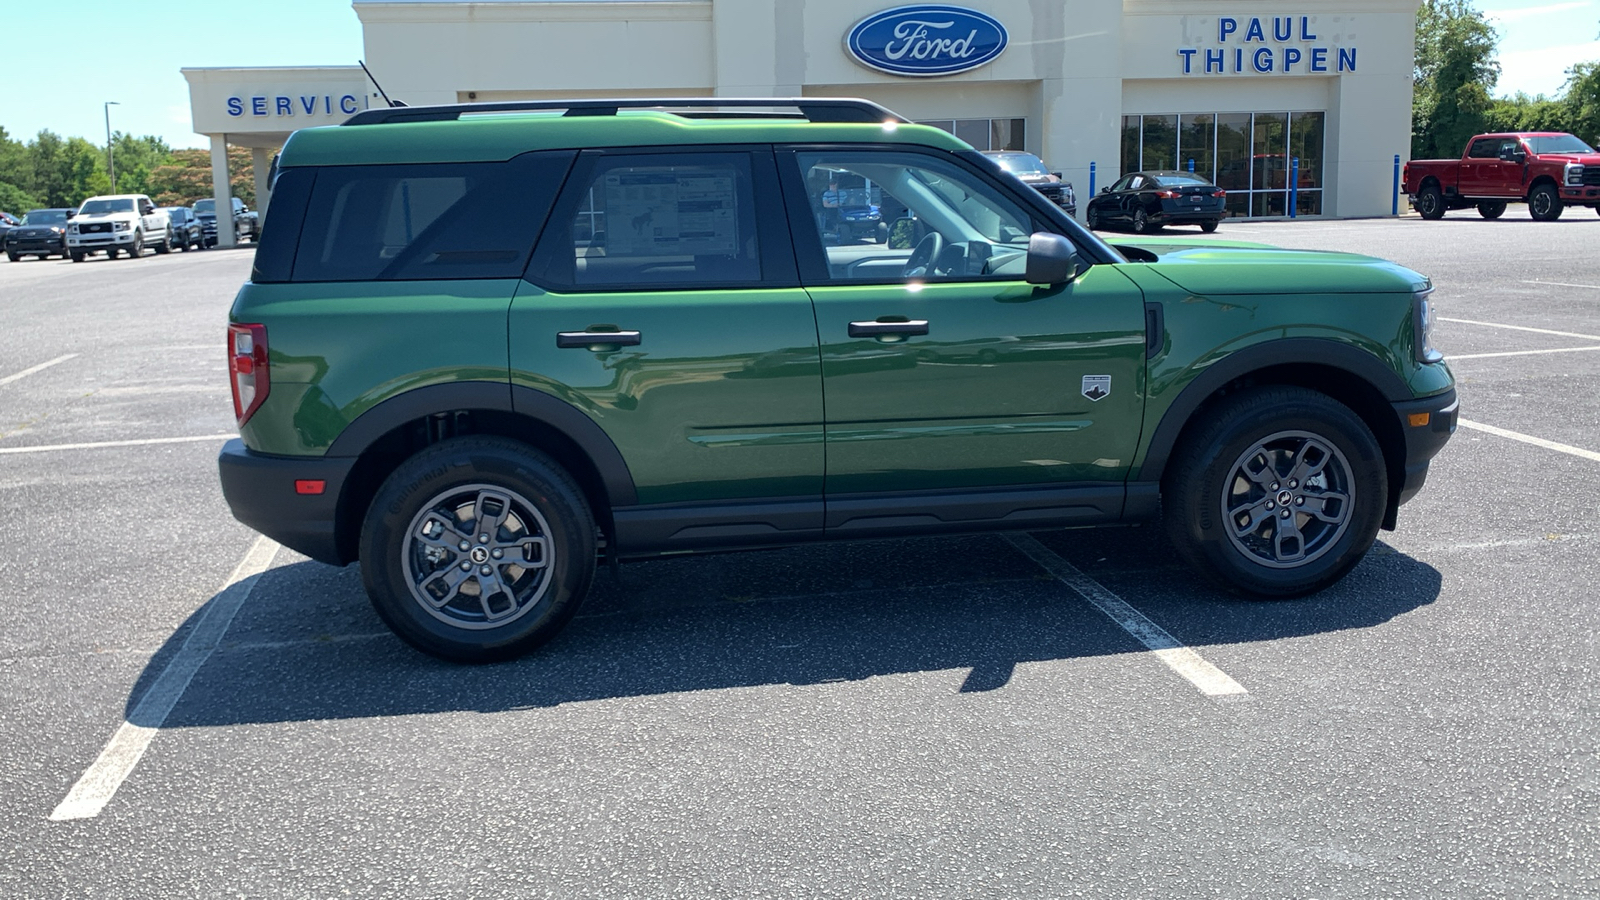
pixel 1293 108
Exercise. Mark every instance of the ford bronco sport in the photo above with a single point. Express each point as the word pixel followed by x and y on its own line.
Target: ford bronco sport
pixel 658 353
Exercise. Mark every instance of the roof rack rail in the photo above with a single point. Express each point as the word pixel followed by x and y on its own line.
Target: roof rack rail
pixel 814 109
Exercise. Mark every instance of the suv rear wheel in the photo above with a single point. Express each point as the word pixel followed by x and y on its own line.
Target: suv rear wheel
pixel 1278 494
pixel 478 549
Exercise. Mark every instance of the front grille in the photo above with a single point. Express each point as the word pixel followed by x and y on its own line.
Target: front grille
pixel 94 228
pixel 1053 191
pixel 1591 176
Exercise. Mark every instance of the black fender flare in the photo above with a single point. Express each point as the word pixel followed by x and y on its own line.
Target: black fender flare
pixel 537 406
pixel 1241 362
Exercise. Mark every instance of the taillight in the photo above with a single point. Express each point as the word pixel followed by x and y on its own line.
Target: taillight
pixel 1219 192
pixel 247 368
pixel 1168 195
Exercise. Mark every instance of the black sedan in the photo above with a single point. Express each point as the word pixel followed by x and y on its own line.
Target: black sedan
pixel 42 233
pixel 1145 201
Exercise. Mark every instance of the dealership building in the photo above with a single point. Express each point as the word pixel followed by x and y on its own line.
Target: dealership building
pixel 1294 109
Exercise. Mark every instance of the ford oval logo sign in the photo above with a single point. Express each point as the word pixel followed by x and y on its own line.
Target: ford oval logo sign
pixel 926 40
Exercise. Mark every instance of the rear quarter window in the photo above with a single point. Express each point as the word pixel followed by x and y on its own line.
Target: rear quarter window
pixel 441 221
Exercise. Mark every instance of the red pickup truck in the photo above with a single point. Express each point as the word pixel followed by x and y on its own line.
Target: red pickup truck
pixel 1547 170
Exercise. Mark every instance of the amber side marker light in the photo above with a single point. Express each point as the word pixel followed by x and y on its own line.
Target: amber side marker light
pixel 309 486
pixel 1418 419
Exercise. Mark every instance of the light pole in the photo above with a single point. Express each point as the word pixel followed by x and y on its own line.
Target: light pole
pixel 111 164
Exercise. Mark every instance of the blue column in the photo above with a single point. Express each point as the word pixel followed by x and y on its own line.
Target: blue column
pixel 1191 165
pixel 1294 188
pixel 1091 179
pixel 1394 206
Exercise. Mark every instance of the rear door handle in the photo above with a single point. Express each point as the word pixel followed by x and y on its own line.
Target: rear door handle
pixel 583 340
pixel 881 329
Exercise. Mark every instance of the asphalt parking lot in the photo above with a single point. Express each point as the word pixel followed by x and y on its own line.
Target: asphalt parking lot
pixel 189 711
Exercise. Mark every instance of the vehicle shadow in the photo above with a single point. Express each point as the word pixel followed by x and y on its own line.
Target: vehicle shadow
pixel 306 645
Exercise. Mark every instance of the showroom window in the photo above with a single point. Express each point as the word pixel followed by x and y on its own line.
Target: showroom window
pixel 986 134
pixel 1250 155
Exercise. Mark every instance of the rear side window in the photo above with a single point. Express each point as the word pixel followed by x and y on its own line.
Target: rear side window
pixel 424 222
pixel 661 220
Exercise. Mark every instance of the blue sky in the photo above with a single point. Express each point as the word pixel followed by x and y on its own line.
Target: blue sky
pixel 73 46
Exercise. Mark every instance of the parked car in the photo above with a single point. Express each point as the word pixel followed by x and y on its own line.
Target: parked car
pixel 186 231
pixel 120 223
pixel 246 225
pixel 7 222
pixel 1549 171
pixel 480 407
pixel 42 233
pixel 1032 171
pixel 1146 201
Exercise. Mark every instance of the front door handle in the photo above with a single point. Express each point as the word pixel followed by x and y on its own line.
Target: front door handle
pixel 588 340
pixel 888 329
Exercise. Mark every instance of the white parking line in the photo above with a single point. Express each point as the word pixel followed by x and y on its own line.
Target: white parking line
pixel 115 763
pixel 1592 287
pixel 139 443
pixel 1530 439
pixel 1460 356
pixel 1212 681
pixel 1572 334
pixel 40 367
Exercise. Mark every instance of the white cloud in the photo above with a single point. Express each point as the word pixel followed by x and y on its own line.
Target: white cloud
pixel 1544 70
pixel 1506 16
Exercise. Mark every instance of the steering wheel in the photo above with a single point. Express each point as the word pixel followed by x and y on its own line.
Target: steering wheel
pixel 920 263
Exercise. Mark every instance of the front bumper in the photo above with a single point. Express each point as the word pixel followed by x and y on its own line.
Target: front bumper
pixel 1427 425
pixel 260 490
pixel 1580 194
pixel 55 244
pixel 99 240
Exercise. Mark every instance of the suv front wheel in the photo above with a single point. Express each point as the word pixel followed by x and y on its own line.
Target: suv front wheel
pixel 478 549
pixel 1279 493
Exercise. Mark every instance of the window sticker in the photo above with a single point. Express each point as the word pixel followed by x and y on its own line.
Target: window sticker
pixel 666 212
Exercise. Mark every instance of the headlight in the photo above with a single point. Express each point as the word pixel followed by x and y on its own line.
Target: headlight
pixel 120 226
pixel 1422 325
pixel 1574 173
pixel 72 229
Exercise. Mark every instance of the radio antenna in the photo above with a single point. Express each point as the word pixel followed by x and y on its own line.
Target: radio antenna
pixel 375 84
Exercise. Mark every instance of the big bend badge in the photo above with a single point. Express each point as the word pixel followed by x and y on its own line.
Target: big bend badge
pixel 1097 387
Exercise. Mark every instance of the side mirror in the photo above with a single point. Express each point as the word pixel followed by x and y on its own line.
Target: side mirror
pixel 1051 259
pixel 1106 189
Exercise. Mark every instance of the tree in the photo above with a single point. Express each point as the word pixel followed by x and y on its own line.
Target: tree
pixel 1581 103
pixel 135 158
pixel 187 177
pixel 1455 71
pixel 15 200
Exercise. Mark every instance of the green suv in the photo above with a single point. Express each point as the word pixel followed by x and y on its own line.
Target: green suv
pixel 485 347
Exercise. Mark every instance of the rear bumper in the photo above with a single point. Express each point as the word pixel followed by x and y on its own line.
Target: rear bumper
pixel 1425 440
pixel 260 490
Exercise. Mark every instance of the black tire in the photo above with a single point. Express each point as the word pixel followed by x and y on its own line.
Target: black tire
pixel 1430 202
pixel 1208 227
pixel 1092 219
pixel 136 249
pixel 14 257
pixel 111 253
pixel 1280 432
pixel 1141 222
pixel 1492 209
pixel 1544 203
pixel 77 255
pixel 165 246
pixel 456 483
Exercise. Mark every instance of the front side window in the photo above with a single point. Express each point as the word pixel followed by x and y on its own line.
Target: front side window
pixel 1558 143
pixel 895 215
pixel 655 221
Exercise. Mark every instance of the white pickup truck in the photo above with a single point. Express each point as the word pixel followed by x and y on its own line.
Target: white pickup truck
pixel 119 222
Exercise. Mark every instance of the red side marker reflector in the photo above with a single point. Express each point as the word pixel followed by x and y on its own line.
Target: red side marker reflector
pixel 309 486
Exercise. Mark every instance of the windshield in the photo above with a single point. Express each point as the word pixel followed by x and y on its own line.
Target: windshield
pixel 203 207
pixel 1022 164
pixel 45 217
pixel 1560 143
pixel 101 207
